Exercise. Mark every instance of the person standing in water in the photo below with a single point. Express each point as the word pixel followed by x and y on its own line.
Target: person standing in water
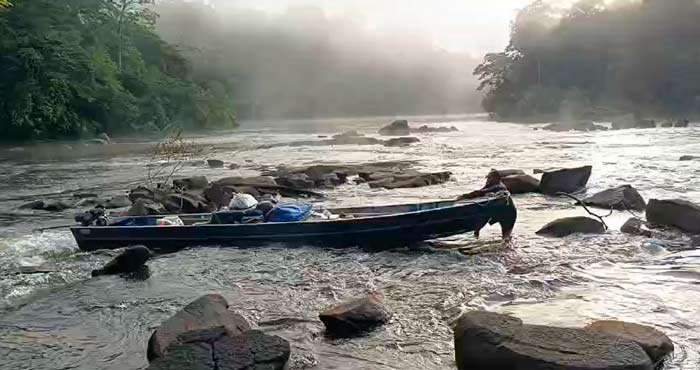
pixel 507 218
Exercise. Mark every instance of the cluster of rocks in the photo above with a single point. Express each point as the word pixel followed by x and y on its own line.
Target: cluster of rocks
pixel 388 175
pixel 486 340
pixel 78 201
pixel 348 138
pixel 402 128
pixel 583 126
pixel 568 180
pixel 627 121
pixel 206 335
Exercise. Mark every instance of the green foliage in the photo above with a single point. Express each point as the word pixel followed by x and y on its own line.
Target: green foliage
pixel 74 68
pixel 634 56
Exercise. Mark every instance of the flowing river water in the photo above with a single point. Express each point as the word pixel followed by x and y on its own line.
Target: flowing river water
pixel 66 320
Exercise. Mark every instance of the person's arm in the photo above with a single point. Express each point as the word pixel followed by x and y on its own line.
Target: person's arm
pixel 473 195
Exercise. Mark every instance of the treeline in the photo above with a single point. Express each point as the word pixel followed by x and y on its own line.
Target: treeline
pixel 593 59
pixel 74 68
pixel 302 62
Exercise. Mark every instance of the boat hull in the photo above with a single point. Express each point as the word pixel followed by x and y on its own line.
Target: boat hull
pixel 428 221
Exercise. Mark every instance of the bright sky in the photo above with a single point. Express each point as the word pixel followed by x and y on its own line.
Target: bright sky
pixel 474 26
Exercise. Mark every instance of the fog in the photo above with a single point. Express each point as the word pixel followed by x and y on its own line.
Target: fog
pixel 295 59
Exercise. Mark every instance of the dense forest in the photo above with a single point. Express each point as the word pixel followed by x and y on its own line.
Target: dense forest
pixel 596 58
pixel 303 62
pixel 74 68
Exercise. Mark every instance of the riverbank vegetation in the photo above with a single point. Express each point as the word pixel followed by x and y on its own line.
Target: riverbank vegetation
pixel 597 58
pixel 75 68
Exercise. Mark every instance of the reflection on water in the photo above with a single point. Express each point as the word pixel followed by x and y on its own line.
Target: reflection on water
pixel 63 320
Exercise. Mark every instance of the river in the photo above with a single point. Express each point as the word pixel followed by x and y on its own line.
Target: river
pixel 66 320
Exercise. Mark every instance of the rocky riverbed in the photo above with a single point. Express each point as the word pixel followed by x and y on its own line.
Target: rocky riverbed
pixel 53 315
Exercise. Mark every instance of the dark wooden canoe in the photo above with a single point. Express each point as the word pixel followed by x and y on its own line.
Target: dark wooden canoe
pixel 382 227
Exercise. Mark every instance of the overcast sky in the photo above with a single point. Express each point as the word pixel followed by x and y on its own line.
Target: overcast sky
pixel 474 26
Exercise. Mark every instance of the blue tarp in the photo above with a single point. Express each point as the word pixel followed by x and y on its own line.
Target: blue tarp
pixel 290 213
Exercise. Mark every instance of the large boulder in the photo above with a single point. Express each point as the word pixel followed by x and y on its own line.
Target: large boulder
pixel 141 192
pixel 146 207
pixel 192 183
pixel 622 198
pixel 408 179
pixel 355 317
pixel 521 184
pixel 206 313
pixel 218 195
pixel 485 340
pixel 572 225
pixel 506 173
pixel 655 343
pixel 568 180
pixel 129 261
pixel 296 180
pixel 396 128
pixel 187 203
pixel 401 141
pixel 119 201
pixel 675 212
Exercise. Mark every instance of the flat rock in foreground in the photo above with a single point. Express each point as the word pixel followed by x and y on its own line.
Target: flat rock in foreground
pixel 355 317
pixel 216 349
pixel 572 225
pixel 490 341
pixel 621 198
pixel 207 312
pixel 675 212
pixel 655 343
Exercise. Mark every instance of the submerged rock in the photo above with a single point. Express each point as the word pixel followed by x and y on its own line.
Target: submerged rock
pixel 675 212
pixel 129 261
pixel 425 129
pixel 56 206
pixel 215 163
pixel 572 225
pixel 355 317
pixel 621 198
pixel 521 184
pixel 396 128
pixel 686 158
pixel 485 340
pixel 583 126
pixel 401 141
pixel 569 180
pixel 208 312
pixel 35 205
pixel 655 343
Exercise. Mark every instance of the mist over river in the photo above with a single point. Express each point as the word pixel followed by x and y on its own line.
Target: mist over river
pixel 66 320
